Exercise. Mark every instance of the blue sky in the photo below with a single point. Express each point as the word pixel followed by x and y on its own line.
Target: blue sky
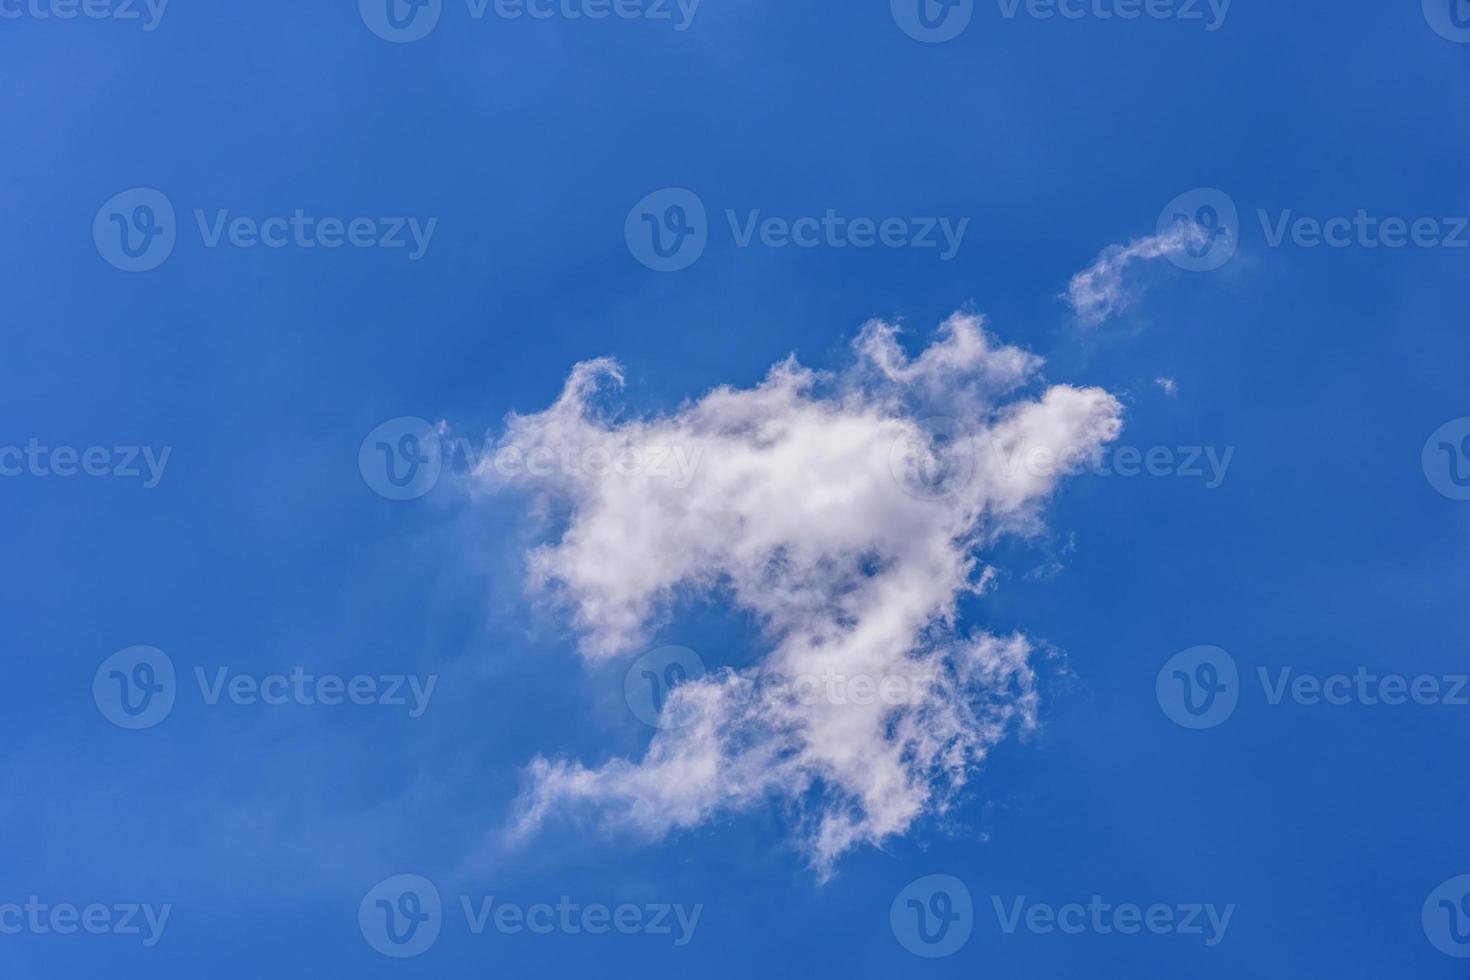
pixel 1334 543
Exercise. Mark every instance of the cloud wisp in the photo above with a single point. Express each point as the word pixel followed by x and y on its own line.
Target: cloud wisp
pixel 846 512
pixel 1099 292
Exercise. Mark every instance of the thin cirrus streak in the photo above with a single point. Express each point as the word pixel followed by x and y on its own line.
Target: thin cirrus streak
pixel 1098 292
pixel 798 514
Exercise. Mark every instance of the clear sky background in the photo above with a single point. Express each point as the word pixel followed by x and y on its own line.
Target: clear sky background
pixel 1325 549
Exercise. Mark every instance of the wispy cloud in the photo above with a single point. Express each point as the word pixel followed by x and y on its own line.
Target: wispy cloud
pixel 1098 292
pixel 824 507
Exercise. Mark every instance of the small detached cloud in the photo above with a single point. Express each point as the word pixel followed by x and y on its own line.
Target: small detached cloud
pixel 1170 386
pixel 846 513
pixel 1099 291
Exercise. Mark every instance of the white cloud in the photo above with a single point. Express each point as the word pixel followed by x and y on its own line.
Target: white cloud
pixel 1170 386
pixel 821 505
pixel 1098 291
